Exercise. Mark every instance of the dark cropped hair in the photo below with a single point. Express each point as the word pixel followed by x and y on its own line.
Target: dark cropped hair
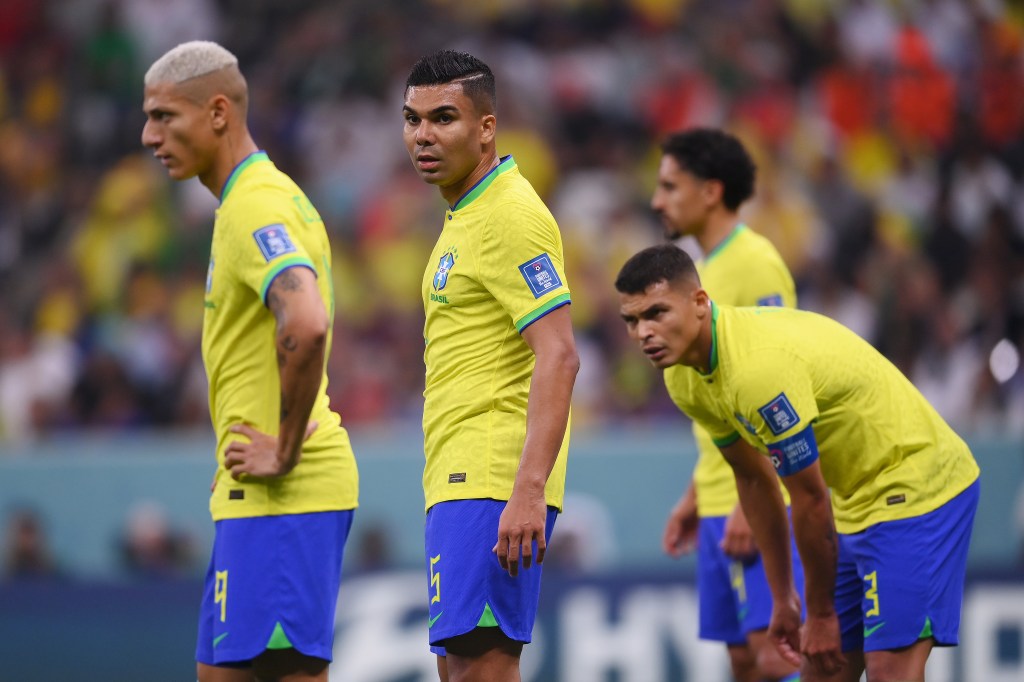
pixel 712 154
pixel 662 263
pixel 446 66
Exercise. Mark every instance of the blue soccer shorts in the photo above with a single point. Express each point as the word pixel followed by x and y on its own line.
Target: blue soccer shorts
pixel 272 584
pixel 466 586
pixel 733 596
pixel 901 581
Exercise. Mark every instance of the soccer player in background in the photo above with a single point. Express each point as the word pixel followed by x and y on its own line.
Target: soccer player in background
pixel 500 361
pixel 776 387
pixel 286 482
pixel 704 177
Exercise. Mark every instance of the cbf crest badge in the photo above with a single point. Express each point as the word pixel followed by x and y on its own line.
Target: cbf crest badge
pixel 443 268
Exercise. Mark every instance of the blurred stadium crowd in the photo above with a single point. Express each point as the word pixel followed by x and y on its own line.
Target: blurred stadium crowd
pixel 889 137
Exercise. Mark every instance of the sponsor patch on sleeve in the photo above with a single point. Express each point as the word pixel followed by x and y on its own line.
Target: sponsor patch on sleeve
pixel 774 301
pixel 540 274
pixel 273 241
pixel 779 415
pixel 794 453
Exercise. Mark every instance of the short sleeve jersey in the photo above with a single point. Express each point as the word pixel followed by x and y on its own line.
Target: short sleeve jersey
pixel 497 267
pixel 884 451
pixel 265 224
pixel 744 270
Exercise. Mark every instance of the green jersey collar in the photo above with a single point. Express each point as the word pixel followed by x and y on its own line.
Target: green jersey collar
pixel 506 164
pixel 720 246
pixel 255 157
pixel 713 361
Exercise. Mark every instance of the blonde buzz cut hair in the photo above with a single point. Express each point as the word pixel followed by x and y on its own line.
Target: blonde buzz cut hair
pixel 190 60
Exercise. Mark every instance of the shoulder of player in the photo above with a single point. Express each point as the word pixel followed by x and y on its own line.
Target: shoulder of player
pixel 759 340
pixel 517 213
pixel 257 204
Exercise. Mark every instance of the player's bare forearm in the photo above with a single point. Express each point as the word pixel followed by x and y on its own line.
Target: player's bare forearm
pixel 815 538
pixel 300 339
pixel 765 510
pixel 547 411
pixel 547 415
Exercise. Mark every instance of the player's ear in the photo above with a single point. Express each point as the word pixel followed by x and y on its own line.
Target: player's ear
pixel 488 128
pixel 219 108
pixel 712 191
pixel 703 302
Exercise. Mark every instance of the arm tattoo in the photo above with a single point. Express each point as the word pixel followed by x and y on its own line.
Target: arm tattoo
pixel 289 343
pixel 288 281
pixel 273 302
pixel 284 406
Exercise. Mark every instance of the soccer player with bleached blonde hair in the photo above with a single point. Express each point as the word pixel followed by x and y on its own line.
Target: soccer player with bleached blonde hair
pixel 286 484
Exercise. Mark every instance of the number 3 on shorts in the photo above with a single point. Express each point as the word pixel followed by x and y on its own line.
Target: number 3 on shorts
pixel 871 594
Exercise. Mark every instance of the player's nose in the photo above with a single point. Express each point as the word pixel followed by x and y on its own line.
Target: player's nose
pixel 424 134
pixel 149 135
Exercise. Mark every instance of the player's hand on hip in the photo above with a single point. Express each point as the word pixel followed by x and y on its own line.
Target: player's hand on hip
pixel 680 536
pixel 784 628
pixel 521 523
pixel 259 456
pixel 822 645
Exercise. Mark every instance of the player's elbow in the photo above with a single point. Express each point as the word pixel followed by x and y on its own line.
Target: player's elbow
pixel 308 331
pixel 568 361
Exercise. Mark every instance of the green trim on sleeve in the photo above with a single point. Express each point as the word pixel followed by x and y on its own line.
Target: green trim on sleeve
pixel 727 441
pixel 531 317
pixel 276 270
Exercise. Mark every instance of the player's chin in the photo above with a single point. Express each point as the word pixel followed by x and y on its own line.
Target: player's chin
pixel 180 173
pixel 431 177
pixel 660 361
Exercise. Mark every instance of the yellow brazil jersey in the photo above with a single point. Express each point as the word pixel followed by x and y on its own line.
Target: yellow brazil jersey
pixel 496 268
pixel 884 451
pixel 264 225
pixel 744 270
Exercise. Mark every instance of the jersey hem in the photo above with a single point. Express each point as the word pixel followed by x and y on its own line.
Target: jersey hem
pixel 342 507
pixel 551 502
pixel 849 528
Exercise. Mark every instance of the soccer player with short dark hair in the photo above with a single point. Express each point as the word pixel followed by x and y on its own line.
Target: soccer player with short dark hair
pixel 500 361
pixel 705 175
pixel 851 438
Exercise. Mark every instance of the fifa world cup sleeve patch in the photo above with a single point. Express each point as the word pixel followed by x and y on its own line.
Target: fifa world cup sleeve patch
pixel 540 275
pixel 795 453
pixel 273 241
pixel 779 415
pixel 773 301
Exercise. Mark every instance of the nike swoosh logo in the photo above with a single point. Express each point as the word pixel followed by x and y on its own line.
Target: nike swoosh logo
pixel 870 631
pixel 433 620
pixel 218 638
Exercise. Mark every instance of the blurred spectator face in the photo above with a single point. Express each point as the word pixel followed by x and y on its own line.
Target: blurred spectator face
pixel 181 133
pixel 682 200
pixel 446 136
